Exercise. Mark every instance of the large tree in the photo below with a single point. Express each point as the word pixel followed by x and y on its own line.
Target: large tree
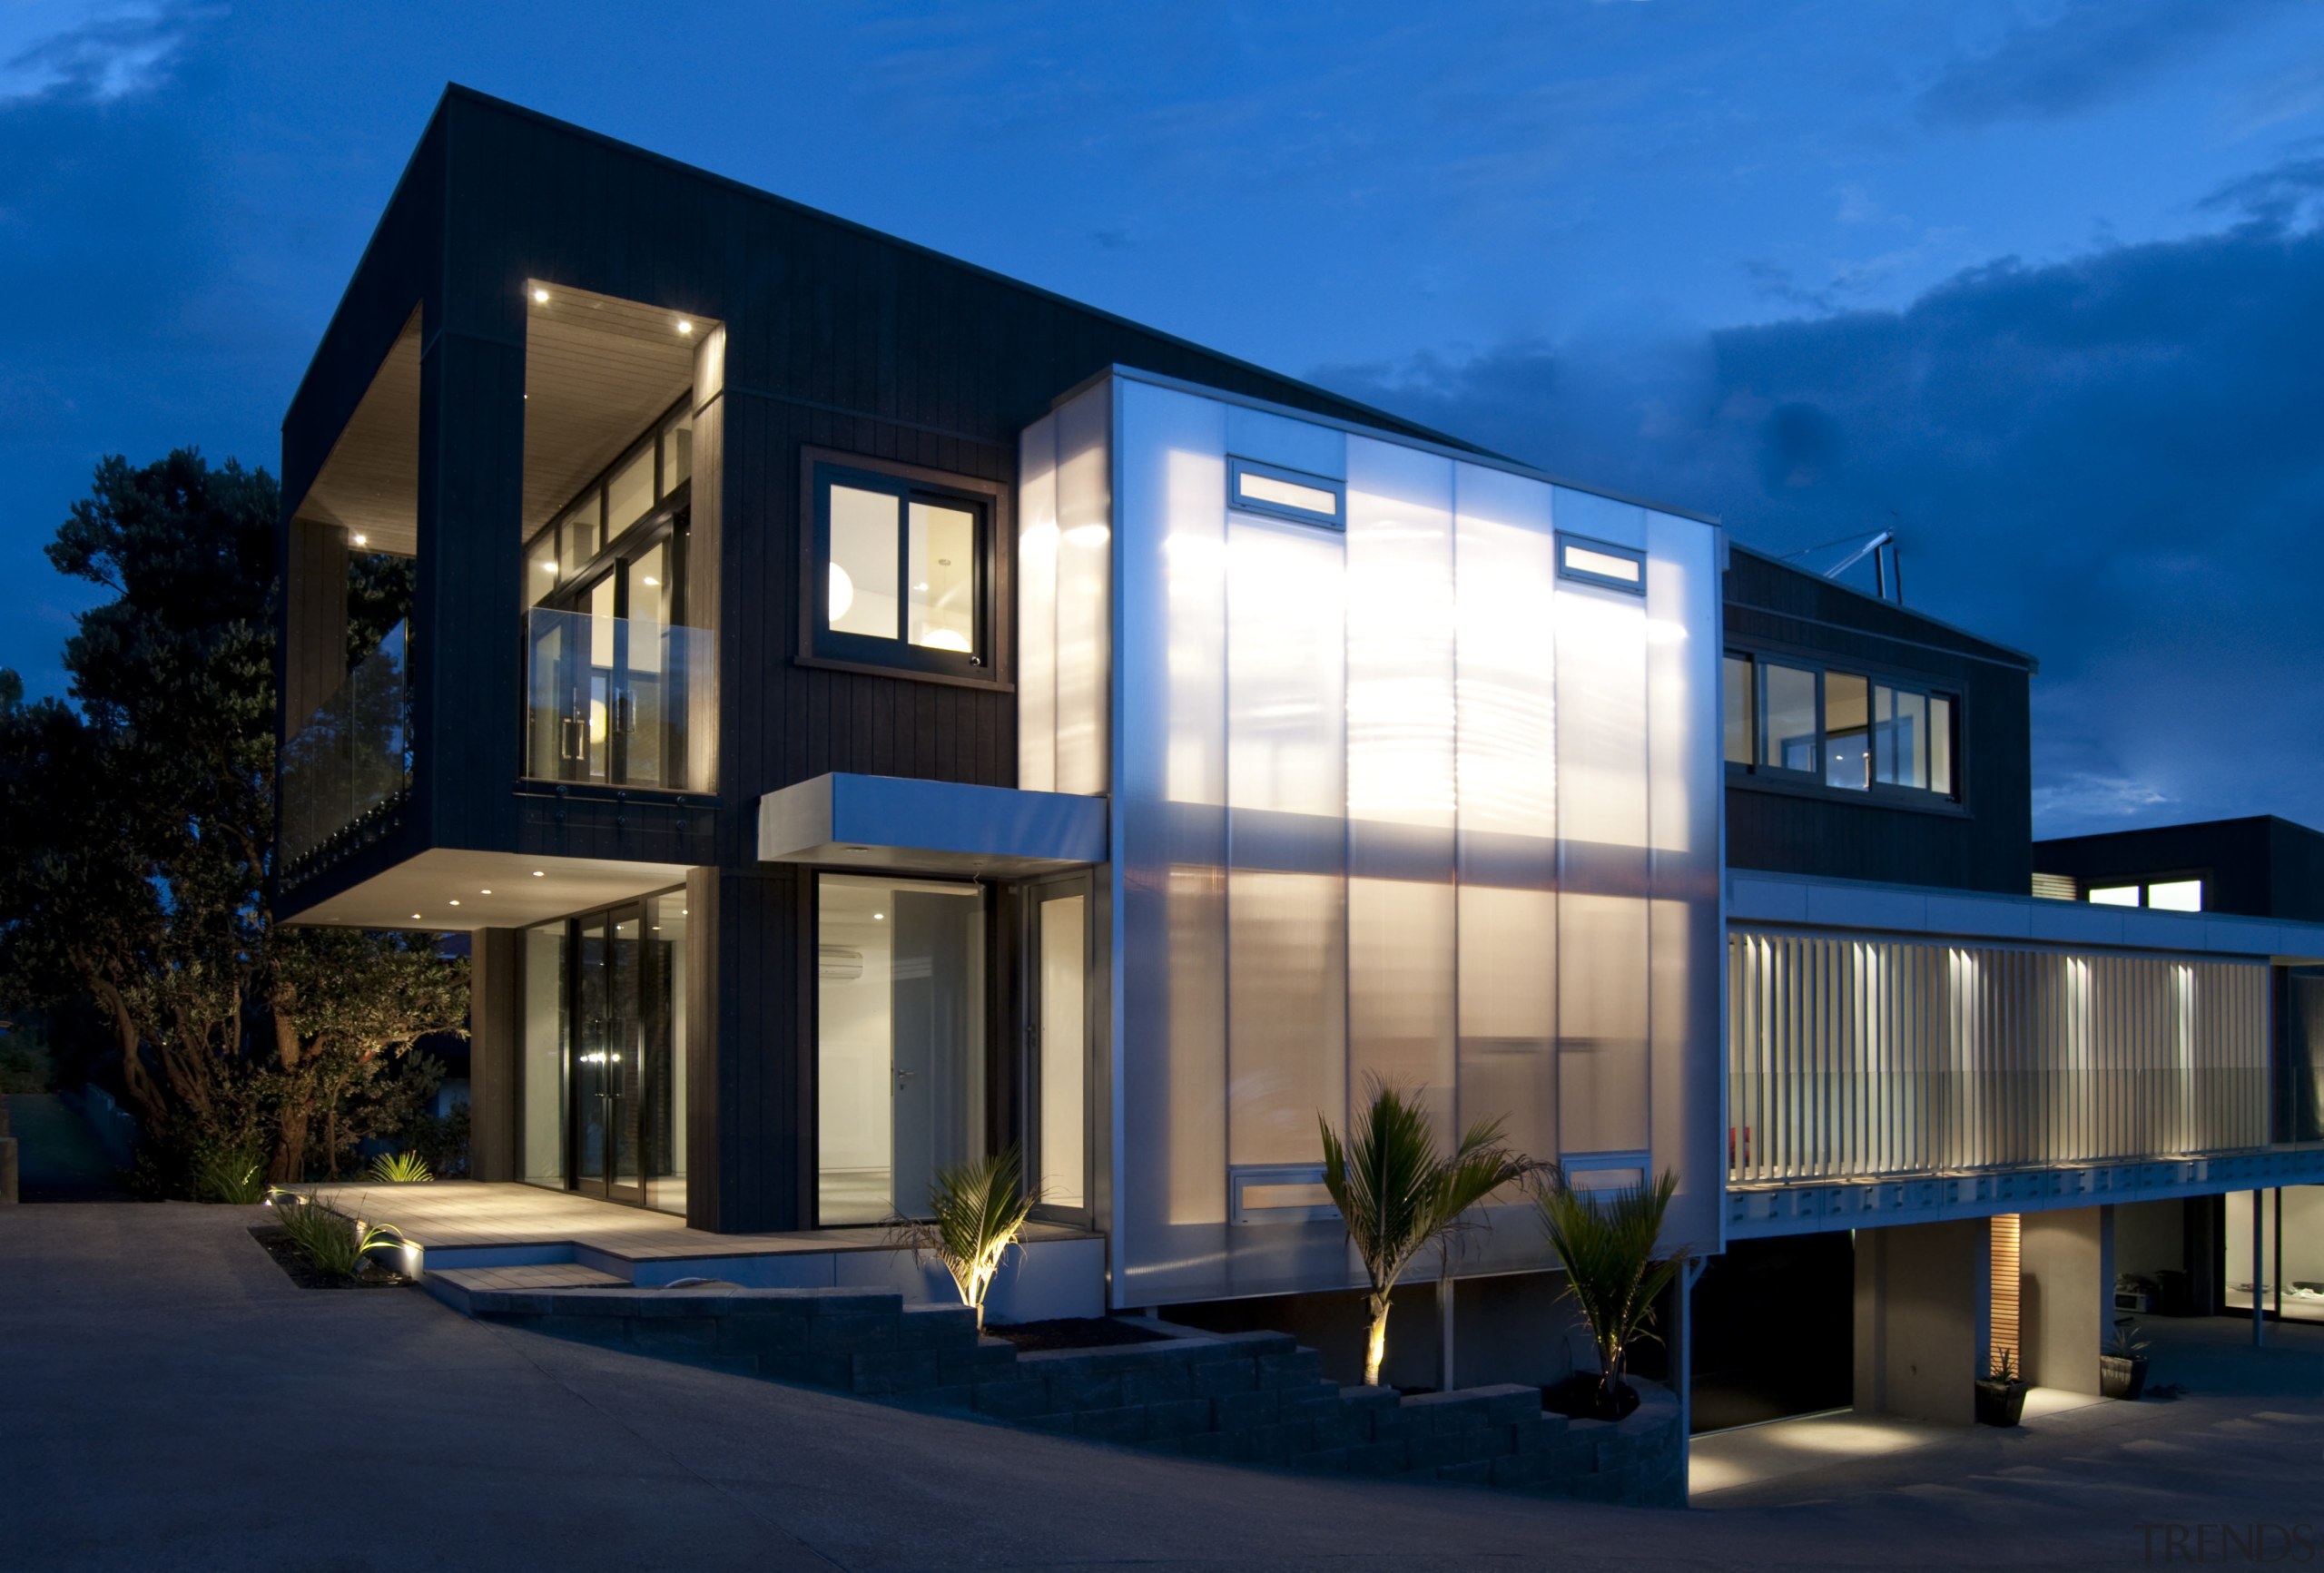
pixel 136 834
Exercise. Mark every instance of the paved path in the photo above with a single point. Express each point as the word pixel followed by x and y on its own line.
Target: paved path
pixel 169 1400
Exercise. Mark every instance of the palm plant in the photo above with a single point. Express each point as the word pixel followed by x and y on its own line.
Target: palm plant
pixel 1605 1240
pixel 1398 1194
pixel 980 1209
pixel 401 1169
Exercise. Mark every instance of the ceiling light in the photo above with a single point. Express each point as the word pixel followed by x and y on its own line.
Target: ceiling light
pixel 686 327
pixel 878 917
pixel 415 916
pixel 652 580
pixel 538 873
pixel 540 297
pixel 362 540
pixel 455 901
pixel 484 892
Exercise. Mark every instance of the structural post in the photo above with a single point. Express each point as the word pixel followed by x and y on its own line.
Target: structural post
pixel 2259 1277
pixel 495 1034
pixel 1682 1347
pixel 1445 1383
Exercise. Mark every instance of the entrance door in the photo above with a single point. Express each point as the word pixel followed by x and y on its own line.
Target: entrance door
pixel 608 1071
pixel 900 1068
pixel 1058 1048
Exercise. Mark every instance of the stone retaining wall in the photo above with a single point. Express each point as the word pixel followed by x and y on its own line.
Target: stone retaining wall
pixel 1255 1398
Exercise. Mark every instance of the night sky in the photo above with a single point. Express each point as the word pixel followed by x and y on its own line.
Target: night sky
pixel 2038 285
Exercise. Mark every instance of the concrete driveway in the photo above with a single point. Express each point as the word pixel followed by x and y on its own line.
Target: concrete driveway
pixel 169 1400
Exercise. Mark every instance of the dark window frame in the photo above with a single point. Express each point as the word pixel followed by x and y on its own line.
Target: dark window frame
pixel 1580 576
pixel 671 500
pixel 985 666
pixel 1815 779
pixel 1237 468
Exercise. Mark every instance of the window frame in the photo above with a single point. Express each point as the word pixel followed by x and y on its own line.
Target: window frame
pixel 1237 468
pixel 1814 781
pixel 671 498
pixel 820 646
pixel 1567 540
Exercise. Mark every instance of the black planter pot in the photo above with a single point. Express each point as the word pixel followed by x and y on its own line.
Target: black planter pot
pixel 2000 1404
pixel 2122 1376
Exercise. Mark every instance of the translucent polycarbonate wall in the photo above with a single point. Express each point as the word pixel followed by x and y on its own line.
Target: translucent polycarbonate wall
pixel 1879 1056
pixel 1064 597
pixel 1393 800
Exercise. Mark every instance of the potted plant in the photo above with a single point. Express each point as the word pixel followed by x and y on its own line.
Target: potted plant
pixel 1605 1240
pixel 2001 1397
pixel 2121 1364
pixel 1398 1195
pixel 979 1210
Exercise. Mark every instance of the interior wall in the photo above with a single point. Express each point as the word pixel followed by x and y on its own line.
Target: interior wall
pixel 1922 1301
pixel 2065 1296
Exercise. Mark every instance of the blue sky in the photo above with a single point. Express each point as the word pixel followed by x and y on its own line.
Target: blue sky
pixel 2038 283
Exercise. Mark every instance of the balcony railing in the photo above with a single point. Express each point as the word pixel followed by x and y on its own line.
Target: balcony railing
pixel 617 700
pixel 352 760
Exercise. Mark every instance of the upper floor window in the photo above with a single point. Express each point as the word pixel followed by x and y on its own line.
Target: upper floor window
pixel 902 573
pixel 2163 895
pixel 1793 719
pixel 569 548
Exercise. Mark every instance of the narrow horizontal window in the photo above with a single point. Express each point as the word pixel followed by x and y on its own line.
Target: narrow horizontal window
pixel 2114 895
pixel 1596 562
pixel 1285 494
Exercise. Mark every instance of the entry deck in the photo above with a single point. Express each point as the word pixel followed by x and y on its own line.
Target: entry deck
pixel 473 1236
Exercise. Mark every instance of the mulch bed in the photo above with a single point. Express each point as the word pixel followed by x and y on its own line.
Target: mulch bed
pixel 1072 1332
pixel 276 1241
pixel 1576 1398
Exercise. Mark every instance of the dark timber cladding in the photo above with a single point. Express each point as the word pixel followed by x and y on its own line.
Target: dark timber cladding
pixel 1980 842
pixel 834 337
pixel 2261 867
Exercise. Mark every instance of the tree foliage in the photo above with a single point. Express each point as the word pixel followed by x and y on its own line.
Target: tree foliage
pixel 136 834
pixel 1605 1240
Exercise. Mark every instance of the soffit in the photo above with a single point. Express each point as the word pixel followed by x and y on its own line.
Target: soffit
pixel 369 485
pixel 597 372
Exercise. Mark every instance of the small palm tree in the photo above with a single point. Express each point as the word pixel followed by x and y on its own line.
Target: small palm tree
pixel 1605 1240
pixel 979 1210
pixel 1399 1195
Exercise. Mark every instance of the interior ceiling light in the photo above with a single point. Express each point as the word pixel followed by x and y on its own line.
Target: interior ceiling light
pixel 686 327
pixel 540 297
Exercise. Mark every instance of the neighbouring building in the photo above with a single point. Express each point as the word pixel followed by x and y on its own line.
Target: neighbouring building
pixel 867 712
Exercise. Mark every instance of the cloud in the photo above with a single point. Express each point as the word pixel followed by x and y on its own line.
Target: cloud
pixel 2085 55
pixel 2110 462
pixel 98 51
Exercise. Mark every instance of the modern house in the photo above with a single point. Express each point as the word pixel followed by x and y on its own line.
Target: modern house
pixel 867 712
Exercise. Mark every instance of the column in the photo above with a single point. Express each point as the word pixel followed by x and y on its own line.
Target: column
pixel 1922 1299
pixel 2066 1296
pixel 496 1046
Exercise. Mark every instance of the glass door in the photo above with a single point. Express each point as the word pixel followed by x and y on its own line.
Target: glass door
pixel 608 1044
pixel 900 1064
pixel 1057 1043
pixel 609 667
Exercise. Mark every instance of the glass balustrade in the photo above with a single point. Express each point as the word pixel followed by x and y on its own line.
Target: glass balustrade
pixel 352 758
pixel 617 700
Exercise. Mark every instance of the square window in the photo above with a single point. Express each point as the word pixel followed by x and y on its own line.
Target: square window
pixel 902 572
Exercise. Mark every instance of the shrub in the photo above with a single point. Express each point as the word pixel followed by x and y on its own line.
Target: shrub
pixel 401 1169
pixel 234 1175
pixel 334 1243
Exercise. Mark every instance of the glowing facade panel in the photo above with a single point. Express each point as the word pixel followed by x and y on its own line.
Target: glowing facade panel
pixel 1388 800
